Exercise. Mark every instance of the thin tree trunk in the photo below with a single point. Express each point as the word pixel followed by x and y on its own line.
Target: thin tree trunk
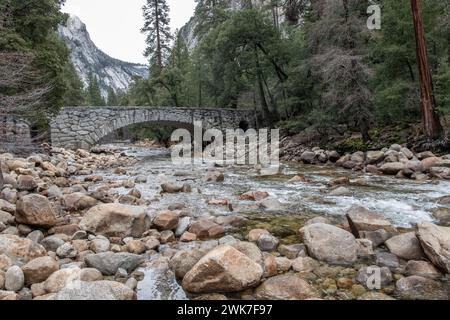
pixel 262 95
pixel 430 119
pixel 158 37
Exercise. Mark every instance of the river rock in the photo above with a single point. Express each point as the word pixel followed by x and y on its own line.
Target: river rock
pixel 251 250
pixel 340 192
pixel 374 157
pixel 20 250
pixel 109 262
pixel 392 168
pixel 167 220
pixel 206 228
pixel 387 259
pixel 420 288
pixel 66 251
pixel 100 245
pixel 308 157
pixel 116 220
pixel 255 234
pixel 374 277
pixel 378 237
pixel 78 201
pixel 39 269
pixel 292 251
pixel 6 206
pixel 286 287
pixel 6 218
pixel 35 210
pixel 26 183
pixel 183 226
pixel 361 219
pixel 406 246
pixel 305 264
pixel 330 244
pixel 435 242
pixel 14 279
pixel 214 176
pixel 224 269
pixel 136 247
pixel 97 290
pixel 52 243
pixel 267 242
pixel 422 269
pixel 254 196
pixel 183 261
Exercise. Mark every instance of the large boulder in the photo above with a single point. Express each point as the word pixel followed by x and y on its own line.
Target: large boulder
pixel 423 269
pixel 330 244
pixel 63 277
pixel 435 242
pixel 360 219
pixel 116 220
pixel 183 261
pixel 392 168
pixel 406 246
pixel 420 288
pixel 96 290
pixel 286 287
pixel 109 262
pixel 39 269
pixel 35 210
pixel 78 201
pixel 374 157
pixel 224 269
pixel 20 250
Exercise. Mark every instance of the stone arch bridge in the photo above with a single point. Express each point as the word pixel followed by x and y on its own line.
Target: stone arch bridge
pixel 83 127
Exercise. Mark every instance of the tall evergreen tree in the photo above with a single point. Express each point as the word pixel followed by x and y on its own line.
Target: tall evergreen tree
pixel 157 29
pixel 94 96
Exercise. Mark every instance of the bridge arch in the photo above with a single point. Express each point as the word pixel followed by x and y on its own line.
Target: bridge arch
pixel 83 127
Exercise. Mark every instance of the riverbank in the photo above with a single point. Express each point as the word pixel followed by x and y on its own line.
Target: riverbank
pixel 126 224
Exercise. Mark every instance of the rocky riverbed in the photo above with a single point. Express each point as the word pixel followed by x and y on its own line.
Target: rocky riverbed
pixel 124 223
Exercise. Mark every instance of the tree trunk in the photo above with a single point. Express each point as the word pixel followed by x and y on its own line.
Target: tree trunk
pixel 262 96
pixel 430 119
pixel 158 37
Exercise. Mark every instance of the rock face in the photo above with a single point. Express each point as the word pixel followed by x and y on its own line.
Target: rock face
pixel 420 288
pixel 108 262
pixel 87 59
pixel 286 287
pixel 330 244
pixel 406 246
pixel 96 290
pixel 35 210
pixel 361 219
pixel 224 269
pixel 436 244
pixel 20 250
pixel 116 220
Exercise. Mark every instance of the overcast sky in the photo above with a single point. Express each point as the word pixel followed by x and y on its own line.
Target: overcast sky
pixel 114 25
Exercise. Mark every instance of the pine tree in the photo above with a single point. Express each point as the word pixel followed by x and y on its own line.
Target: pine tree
pixel 94 96
pixel 113 99
pixel 157 29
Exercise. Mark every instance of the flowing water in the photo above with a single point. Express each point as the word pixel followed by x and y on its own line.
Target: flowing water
pixel 403 202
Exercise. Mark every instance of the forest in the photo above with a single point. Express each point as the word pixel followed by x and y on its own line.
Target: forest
pixel 311 67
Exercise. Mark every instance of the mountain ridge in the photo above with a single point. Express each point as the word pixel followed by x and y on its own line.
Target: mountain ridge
pixel 88 59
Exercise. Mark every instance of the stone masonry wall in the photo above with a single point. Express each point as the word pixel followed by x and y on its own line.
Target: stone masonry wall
pixel 83 127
